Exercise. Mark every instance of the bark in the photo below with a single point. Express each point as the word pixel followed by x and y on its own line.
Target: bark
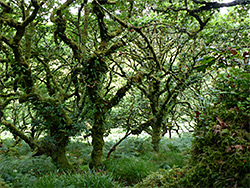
pixel 156 137
pixel 97 142
pixel 60 159
pixel 56 149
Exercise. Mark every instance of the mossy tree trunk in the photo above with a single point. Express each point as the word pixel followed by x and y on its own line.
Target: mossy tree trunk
pixel 59 127
pixel 97 68
pixel 98 131
pixel 156 137
pixel 59 157
pixel 156 130
pixel 154 97
pixel 28 93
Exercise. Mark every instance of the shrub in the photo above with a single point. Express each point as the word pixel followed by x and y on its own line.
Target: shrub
pixel 220 156
pixel 162 178
pixel 221 152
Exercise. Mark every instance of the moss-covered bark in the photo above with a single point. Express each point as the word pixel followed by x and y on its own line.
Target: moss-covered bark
pixel 94 68
pixel 156 137
pixel 55 147
pixel 60 159
pixel 60 124
pixel 97 142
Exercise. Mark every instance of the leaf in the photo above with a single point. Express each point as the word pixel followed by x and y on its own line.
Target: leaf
pixel 225 131
pixel 207 62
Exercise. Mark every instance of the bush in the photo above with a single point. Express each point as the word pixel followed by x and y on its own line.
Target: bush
pixel 162 178
pixel 220 157
pixel 221 152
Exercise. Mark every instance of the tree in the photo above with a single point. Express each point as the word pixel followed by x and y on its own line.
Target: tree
pixel 59 68
pixel 56 72
pixel 166 56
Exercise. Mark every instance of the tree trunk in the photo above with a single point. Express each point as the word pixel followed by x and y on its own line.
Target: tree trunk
pixel 57 151
pixel 60 159
pixel 97 142
pixel 156 137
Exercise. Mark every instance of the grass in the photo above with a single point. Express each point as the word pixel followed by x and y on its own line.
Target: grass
pixel 129 170
pixel 88 180
pixel 133 160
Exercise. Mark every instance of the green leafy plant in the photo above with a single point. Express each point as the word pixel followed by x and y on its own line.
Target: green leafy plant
pixel 18 172
pixel 87 179
pixel 129 170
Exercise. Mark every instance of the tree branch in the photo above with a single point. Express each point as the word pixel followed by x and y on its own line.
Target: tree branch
pixel 206 6
pixel 19 133
pixel 216 5
pixel 33 14
pixel 6 7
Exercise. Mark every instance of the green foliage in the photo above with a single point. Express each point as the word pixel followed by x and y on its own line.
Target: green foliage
pixel 221 148
pixel 16 171
pixel 134 158
pixel 17 166
pixel 3 185
pixel 79 153
pixel 220 157
pixel 129 170
pixel 65 75
pixel 87 179
pixel 233 87
pixel 20 169
pixel 163 178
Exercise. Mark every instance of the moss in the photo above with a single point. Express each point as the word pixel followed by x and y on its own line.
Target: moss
pixel 97 152
pixel 220 155
pixel 97 141
pixel 59 157
pixel 156 137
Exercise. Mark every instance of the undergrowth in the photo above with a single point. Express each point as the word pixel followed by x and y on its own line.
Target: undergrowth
pixel 132 161
pixel 220 156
